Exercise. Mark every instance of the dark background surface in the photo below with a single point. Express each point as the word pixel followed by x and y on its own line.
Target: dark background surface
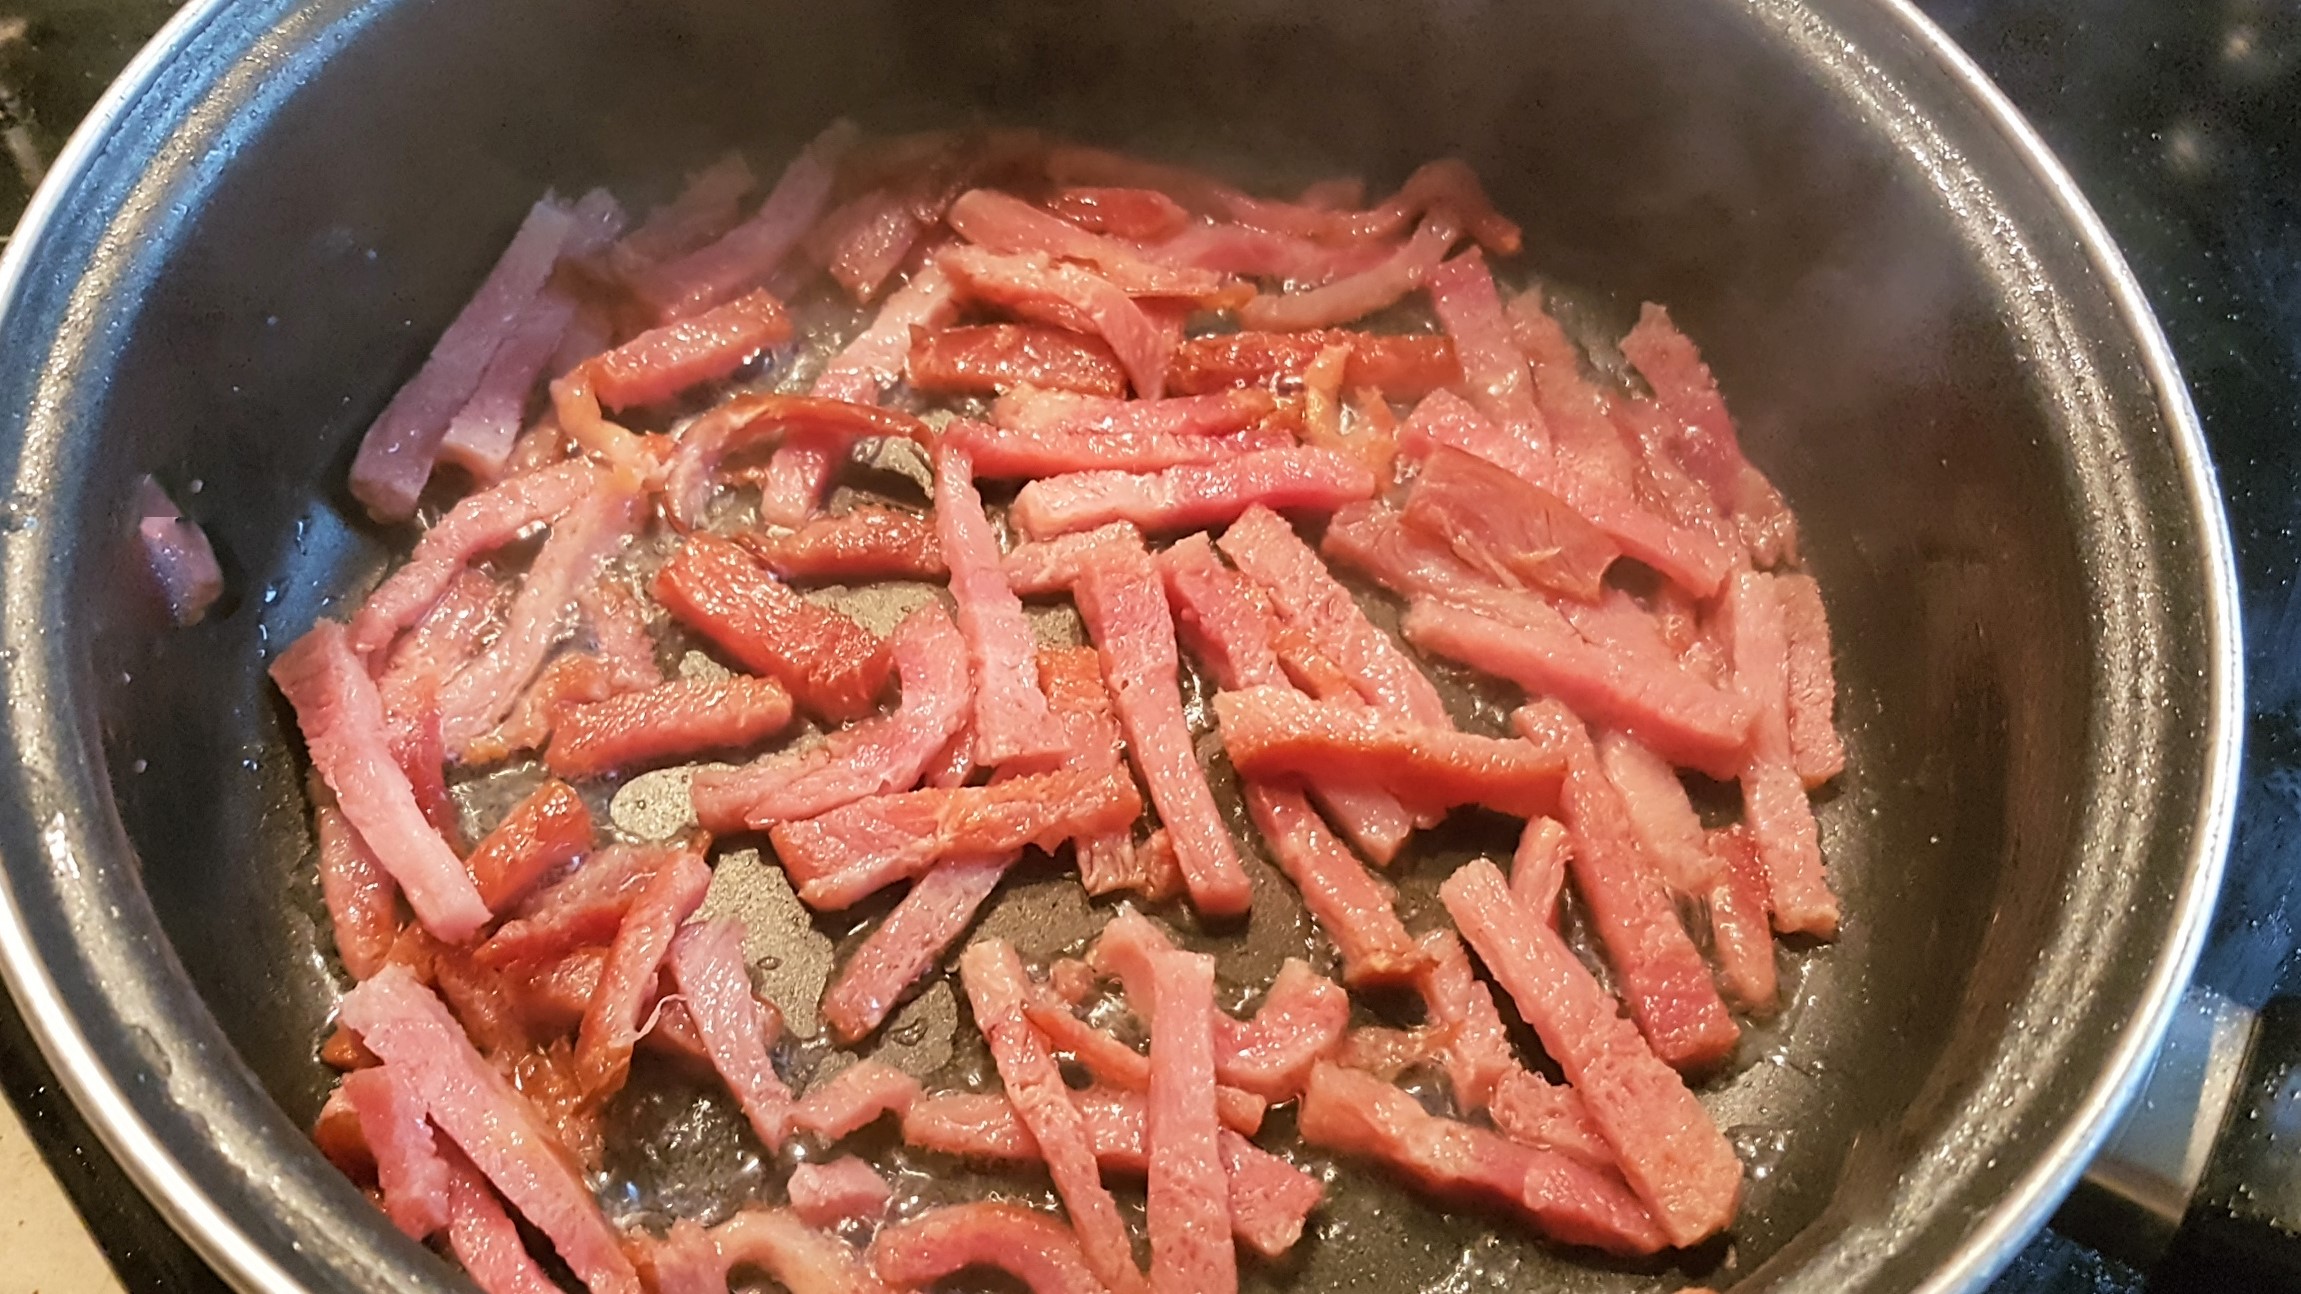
pixel 2181 120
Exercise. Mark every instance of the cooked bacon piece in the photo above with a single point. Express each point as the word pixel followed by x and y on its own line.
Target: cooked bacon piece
pixel 1706 442
pixel 1244 250
pixel 1363 293
pixel 662 362
pixel 1354 909
pixel 569 678
pixel 341 716
pixel 408 1165
pixel 1467 1028
pixel 874 361
pixel 1738 923
pixel 864 239
pixel 844 1190
pixel 1301 1018
pixel 1815 750
pixel 1533 1111
pixel 984 359
pixel 1002 452
pixel 1011 718
pixel 1072 679
pixel 396 453
pixel 1667 987
pixel 1672 1154
pixel 747 420
pixel 483 692
pixel 1189 1201
pixel 1122 1068
pixel 478 523
pixel 798 1257
pixel 710 972
pixel 548 829
pixel 1675 714
pixel 1493 371
pixel 444 641
pixel 1274 732
pixel 853 547
pixel 882 753
pixel 1035 1249
pixel 1007 224
pixel 997 988
pixel 1028 409
pixel 177 552
pixel 402 1022
pixel 832 666
pixel 1563 1197
pixel 1661 815
pixel 1538 868
pixel 1515 533
pixel 860 848
pixel 747 254
pixel 852 1098
pixel 1193 495
pixel 362 900
pixel 1774 800
pixel 1269 1197
pixel 677 720
pixel 584 908
pixel 708 206
pixel 485 1240
pixel 1120 212
pixel 611 1022
pixel 1038 287
pixel 931 917
pixel 1121 598
pixel 1311 600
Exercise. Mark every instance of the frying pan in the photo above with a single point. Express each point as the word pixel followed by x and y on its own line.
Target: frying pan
pixel 1929 342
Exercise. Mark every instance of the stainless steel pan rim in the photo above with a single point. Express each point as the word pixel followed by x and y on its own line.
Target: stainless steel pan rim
pixel 221 1239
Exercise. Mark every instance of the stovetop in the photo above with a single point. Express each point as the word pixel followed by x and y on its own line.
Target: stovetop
pixel 2181 120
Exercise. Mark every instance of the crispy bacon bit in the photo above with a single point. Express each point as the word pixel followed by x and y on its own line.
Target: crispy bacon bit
pixel 997 987
pixel 852 1098
pixel 1567 1199
pixel 1706 442
pixel 545 831
pixel 1672 1154
pixel 1815 749
pixel 1189 1209
pixel 798 1257
pixel 984 359
pixel 1363 293
pixel 1006 452
pixel 852 547
pixel 408 1165
pixel 749 419
pixel 662 362
pixel 859 848
pixel 178 554
pixel 396 455
pixel 1121 213
pixel 477 1108
pixel 1037 287
pixel 1193 495
pixel 844 1190
pixel 675 721
pixel 1028 409
pixel 832 666
pixel 362 900
pixel 883 753
pixel 1513 532
pixel 611 1022
pixel 709 969
pixel 1011 718
pixel 1274 732
pixel 1773 798
pixel 1738 923
pixel 1035 1249
pixel 341 716
pixel 747 254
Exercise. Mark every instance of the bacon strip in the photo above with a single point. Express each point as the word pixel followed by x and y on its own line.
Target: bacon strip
pixel 1738 924
pixel 844 1190
pixel 879 754
pixel 1533 1111
pixel 662 362
pixel 708 205
pixel 341 716
pixel 1003 223
pixel 1189 1209
pixel 1009 452
pixel 747 254
pixel 362 899
pixel 486 1241
pixel 920 1252
pixel 409 1169
pixel 1406 367
pixel 1563 1197
pixel 1661 815
pixel 853 547
pixel 1302 1017
pixel 611 1022
pixel 1363 293
pixel 1122 1068
pixel 1494 372
pixel 831 665
pixel 402 1022
pixel 585 908
pixel 1706 442
pixel 1815 750
pixel 852 1098
pixel 1538 868
pixel 1355 910
pixel 1673 1156
pixel 1773 798
pixel 1011 718
pixel 396 454
pixel 861 241
pixel 675 721
pixel 711 973
pixel 1030 410
pixel 1663 979
pixel 1513 532
pixel 904 946
pixel 997 988
pixel 1193 495
pixel 797 1256
pixel 1120 212
pixel 1274 732
pixel 746 420
pixel 984 359
pixel 545 831
pixel 1036 286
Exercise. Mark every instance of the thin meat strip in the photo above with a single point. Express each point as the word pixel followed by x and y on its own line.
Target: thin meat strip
pixel 844 1190
pixel 852 547
pixel 1193 495
pixel 1774 802
pixel 1037 1250
pixel 1277 732
pixel 1189 1209
pixel 708 967
pixel 611 1021
pixel 680 719
pixel 414 1178
pixel 832 666
pixel 1011 718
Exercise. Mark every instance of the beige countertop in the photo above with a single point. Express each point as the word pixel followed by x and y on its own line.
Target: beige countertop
pixel 48 1249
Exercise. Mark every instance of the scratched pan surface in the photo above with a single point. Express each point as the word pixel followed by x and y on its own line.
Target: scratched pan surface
pixel 2000 491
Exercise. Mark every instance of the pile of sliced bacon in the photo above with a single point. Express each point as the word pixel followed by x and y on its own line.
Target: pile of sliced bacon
pixel 1160 376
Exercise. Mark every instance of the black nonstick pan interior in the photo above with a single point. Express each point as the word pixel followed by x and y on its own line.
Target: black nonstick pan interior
pixel 2018 561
